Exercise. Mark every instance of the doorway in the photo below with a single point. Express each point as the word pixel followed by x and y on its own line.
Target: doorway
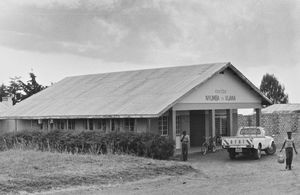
pixel 197 127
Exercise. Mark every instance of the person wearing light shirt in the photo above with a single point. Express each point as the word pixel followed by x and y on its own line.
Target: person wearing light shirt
pixel 289 145
pixel 185 140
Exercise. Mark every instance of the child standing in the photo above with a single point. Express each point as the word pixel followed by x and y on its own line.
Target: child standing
pixel 289 145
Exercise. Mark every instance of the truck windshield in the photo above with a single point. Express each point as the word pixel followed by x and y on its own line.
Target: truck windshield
pixel 250 131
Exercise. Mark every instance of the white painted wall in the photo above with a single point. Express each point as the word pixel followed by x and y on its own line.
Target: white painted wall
pixel 223 88
pixel 7 126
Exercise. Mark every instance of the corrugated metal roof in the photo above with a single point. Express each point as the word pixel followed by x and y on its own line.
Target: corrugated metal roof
pixel 140 93
pixel 281 108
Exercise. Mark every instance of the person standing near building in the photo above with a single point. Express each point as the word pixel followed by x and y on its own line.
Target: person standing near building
pixel 185 140
pixel 289 145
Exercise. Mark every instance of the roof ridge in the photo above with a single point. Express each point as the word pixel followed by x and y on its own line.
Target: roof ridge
pixel 148 69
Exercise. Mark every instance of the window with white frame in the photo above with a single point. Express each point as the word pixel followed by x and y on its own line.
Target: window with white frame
pixel 101 124
pixel 91 124
pixel 71 124
pixel 221 122
pixel 40 123
pixel 115 125
pixel 163 125
pixel 85 124
pixel 60 124
pixel 129 124
pixel 45 125
pixel 51 121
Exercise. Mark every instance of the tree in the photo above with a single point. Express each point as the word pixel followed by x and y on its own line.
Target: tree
pixel 31 87
pixel 271 87
pixel 3 91
pixel 15 90
pixel 19 90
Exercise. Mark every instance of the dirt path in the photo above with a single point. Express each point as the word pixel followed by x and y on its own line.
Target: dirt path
pixel 217 175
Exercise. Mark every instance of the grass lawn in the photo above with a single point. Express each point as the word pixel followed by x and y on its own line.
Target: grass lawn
pixel 32 171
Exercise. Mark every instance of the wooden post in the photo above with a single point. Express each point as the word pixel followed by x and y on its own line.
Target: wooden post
pixel 229 121
pixel 174 125
pixel 206 123
pixel 213 125
pixel 258 116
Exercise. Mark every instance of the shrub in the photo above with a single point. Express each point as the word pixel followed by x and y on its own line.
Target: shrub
pixel 139 144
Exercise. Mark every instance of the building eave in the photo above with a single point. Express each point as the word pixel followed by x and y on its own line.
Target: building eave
pixel 79 117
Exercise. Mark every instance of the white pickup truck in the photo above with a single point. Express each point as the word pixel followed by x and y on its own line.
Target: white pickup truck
pixel 250 141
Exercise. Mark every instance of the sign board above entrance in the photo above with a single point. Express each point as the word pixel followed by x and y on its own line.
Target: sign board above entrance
pixel 223 88
pixel 220 95
pixel 217 98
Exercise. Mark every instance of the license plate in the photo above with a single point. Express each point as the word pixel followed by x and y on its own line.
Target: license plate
pixel 238 150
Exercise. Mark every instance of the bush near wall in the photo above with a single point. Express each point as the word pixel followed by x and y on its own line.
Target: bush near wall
pixel 140 144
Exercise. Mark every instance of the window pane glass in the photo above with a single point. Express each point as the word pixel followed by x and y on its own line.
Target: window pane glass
pixel 163 125
pixel 91 124
pixel 112 125
pixel 85 123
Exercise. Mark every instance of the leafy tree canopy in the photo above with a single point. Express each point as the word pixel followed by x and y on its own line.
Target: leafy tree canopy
pixel 3 91
pixel 271 87
pixel 20 90
pixel 31 87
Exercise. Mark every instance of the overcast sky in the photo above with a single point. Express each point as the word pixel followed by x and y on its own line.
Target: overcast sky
pixel 59 38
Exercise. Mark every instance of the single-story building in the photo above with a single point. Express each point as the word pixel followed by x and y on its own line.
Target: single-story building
pixel 200 99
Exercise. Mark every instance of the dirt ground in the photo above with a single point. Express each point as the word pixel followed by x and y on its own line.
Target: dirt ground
pixel 216 174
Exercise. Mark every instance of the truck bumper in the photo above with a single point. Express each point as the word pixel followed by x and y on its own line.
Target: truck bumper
pixel 247 146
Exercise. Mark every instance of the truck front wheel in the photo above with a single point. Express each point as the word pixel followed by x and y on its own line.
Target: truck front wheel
pixel 257 152
pixel 272 149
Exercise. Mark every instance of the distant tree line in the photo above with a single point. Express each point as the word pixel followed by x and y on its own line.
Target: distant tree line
pixel 20 90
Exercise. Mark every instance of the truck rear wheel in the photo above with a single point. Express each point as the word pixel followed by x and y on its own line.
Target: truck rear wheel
pixel 272 149
pixel 232 153
pixel 257 152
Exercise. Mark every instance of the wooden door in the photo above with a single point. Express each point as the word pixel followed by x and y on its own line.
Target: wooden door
pixel 197 127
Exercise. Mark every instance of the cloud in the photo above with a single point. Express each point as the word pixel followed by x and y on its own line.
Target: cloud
pixel 143 31
pixel 117 31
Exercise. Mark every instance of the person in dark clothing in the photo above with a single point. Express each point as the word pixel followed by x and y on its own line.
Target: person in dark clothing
pixel 185 140
pixel 289 145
